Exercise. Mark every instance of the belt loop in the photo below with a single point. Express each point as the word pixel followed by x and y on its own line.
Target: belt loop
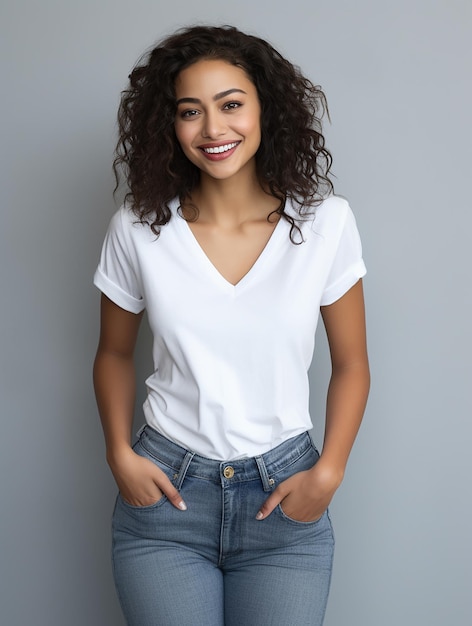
pixel 179 478
pixel 267 483
pixel 140 431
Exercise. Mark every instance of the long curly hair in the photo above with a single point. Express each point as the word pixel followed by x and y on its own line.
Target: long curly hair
pixel 292 161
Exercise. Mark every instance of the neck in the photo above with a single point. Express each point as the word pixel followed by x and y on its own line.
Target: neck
pixel 232 201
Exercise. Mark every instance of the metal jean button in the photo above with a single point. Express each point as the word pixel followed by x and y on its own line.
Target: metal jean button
pixel 228 471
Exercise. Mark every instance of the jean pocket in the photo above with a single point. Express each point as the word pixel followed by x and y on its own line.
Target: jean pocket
pixel 304 463
pixel 146 507
pixel 168 471
pixel 291 520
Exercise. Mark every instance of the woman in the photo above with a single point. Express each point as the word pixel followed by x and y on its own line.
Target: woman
pixel 233 242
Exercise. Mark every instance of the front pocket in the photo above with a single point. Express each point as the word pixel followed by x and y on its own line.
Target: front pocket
pixel 305 462
pixel 147 507
pixel 280 510
pixel 140 450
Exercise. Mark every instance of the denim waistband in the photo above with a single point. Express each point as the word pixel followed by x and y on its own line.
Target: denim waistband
pixel 254 468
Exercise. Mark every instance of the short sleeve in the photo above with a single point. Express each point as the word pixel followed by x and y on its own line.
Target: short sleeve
pixel 348 265
pixel 116 275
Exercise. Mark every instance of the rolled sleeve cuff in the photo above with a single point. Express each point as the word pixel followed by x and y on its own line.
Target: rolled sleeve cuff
pixel 342 286
pixel 116 294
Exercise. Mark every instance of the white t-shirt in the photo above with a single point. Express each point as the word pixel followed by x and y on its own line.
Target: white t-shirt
pixel 231 362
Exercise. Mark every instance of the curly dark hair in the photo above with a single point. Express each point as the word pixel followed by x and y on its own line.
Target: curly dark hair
pixel 292 161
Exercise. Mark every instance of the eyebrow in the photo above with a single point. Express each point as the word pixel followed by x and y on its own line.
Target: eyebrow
pixel 218 96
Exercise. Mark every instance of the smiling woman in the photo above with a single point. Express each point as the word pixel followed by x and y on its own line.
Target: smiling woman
pixel 233 242
pixel 213 125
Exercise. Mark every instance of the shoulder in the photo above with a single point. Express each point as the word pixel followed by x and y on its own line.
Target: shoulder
pixel 325 219
pixel 126 223
pixel 122 220
pixel 332 209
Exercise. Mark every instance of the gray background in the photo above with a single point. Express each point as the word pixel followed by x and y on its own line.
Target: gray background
pixel 397 76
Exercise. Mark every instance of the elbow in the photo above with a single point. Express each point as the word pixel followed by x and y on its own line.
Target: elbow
pixel 357 370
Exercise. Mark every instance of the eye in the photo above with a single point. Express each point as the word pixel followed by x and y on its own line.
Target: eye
pixel 229 106
pixel 188 113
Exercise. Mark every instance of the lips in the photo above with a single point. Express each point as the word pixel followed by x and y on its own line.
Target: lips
pixel 219 149
pixel 219 152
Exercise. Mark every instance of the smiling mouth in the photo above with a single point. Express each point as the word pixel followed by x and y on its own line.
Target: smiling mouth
pixel 220 149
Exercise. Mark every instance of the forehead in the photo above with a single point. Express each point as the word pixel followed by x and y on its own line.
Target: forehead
pixel 211 76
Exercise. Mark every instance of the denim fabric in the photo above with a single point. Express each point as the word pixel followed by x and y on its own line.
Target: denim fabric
pixel 215 564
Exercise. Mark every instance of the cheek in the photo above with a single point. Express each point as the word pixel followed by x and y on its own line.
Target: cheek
pixel 180 134
pixel 183 138
pixel 253 126
pixel 252 130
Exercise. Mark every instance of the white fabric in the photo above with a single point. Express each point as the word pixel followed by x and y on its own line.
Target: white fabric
pixel 230 362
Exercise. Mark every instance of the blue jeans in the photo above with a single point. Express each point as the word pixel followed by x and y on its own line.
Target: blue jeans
pixel 215 564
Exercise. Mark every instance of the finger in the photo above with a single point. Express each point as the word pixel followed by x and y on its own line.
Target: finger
pixel 269 505
pixel 172 494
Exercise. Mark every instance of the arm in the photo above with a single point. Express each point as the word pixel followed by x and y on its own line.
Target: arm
pixel 306 495
pixel 140 481
pixel 350 378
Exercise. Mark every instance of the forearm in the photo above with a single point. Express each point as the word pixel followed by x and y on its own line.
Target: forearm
pixel 140 482
pixel 306 495
pixel 346 401
pixel 114 382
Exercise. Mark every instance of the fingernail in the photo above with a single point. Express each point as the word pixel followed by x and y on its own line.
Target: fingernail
pixel 182 506
pixel 260 515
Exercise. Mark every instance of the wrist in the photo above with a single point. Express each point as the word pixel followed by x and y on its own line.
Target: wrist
pixel 332 474
pixel 117 454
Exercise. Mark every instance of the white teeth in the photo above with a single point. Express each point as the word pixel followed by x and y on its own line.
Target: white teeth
pixel 220 149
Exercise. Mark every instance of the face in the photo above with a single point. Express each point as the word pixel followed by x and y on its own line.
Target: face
pixel 218 118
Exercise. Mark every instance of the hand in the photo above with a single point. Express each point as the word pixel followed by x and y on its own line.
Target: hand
pixel 305 496
pixel 141 482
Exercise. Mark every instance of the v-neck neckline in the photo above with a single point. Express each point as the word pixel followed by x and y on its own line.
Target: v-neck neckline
pixel 213 271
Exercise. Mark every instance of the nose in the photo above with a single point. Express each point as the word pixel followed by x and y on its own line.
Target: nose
pixel 213 125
